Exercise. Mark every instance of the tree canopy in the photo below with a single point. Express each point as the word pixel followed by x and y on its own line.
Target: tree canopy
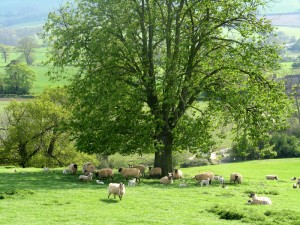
pixel 162 76
pixel 27 47
pixel 34 126
pixel 18 79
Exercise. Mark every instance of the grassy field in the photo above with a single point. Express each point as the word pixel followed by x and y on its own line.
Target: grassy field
pixel 32 196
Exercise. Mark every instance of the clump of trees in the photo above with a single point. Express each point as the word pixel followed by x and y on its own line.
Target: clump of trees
pixel 18 79
pixel 31 127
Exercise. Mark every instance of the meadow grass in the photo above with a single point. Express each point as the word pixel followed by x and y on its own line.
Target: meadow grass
pixel 32 196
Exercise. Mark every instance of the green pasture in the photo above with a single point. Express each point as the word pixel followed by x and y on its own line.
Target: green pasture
pixel 290 31
pixel 32 196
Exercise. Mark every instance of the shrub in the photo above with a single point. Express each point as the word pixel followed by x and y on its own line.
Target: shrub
pixel 285 145
pixel 296 65
pixel 194 163
pixel 227 213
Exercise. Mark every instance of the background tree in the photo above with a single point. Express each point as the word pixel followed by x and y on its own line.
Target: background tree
pixel 32 127
pixel 296 46
pixel 4 52
pixel 27 46
pixel 163 75
pixel 18 79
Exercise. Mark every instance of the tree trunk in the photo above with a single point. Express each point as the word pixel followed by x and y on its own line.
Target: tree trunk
pixel 297 105
pixel 23 155
pixel 157 158
pixel 166 163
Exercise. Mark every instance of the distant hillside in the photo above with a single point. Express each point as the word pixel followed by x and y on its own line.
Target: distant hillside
pixel 283 7
pixel 285 19
pixel 16 12
pixel 21 18
pixel 33 12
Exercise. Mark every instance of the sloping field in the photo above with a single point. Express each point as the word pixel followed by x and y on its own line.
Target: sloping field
pixel 290 20
pixel 32 196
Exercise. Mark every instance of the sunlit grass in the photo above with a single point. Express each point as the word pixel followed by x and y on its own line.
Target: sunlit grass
pixel 31 196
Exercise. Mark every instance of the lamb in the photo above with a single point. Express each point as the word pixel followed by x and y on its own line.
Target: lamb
pixel 216 177
pixel 130 173
pixel 167 179
pixel 177 174
pixel 236 177
pixel 132 182
pixel 272 177
pixel 99 182
pixel 86 177
pixel 260 200
pixel 294 185
pixel 73 168
pixel 204 176
pixel 88 168
pixel 116 189
pixel 221 180
pixel 140 167
pixel 155 172
pixel 106 173
pixel 206 182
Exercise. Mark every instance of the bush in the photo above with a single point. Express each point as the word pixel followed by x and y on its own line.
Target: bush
pixel 285 145
pixel 296 65
pixel 194 163
pixel 227 213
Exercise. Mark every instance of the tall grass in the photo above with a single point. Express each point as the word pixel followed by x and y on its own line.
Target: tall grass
pixel 31 196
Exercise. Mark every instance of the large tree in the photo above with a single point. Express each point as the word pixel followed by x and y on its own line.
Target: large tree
pixel 162 75
pixel 27 46
pixel 4 51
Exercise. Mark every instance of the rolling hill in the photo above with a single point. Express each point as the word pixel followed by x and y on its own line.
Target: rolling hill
pixel 34 12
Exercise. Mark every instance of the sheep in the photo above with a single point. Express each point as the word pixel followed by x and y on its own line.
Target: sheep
pixel 236 177
pixel 204 176
pixel 46 169
pixel 106 173
pixel 99 182
pixel 177 174
pixel 130 173
pixel 140 167
pixel 116 189
pixel 260 200
pixel 73 168
pixel 132 182
pixel 86 177
pixel 271 177
pixel 88 168
pixel 206 182
pixel 294 185
pixel 155 172
pixel 167 179
pixel 293 178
